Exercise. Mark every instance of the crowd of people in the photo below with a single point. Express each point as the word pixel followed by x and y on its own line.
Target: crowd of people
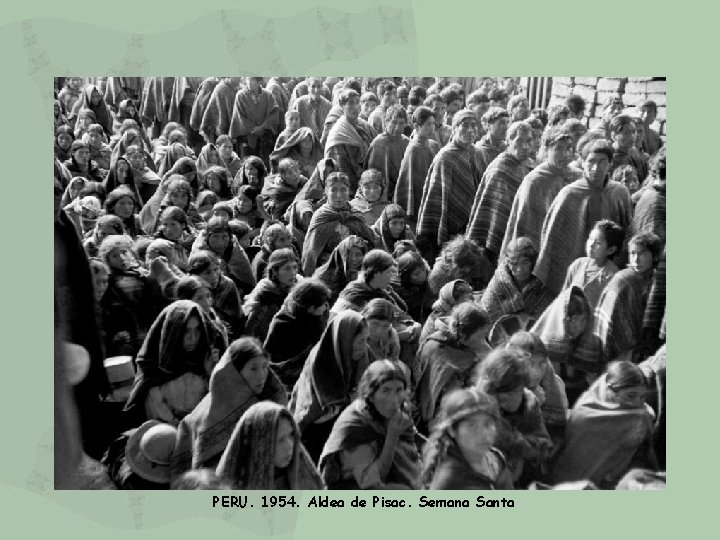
pixel 356 283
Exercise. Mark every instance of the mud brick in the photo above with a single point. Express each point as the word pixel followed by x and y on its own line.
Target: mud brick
pixel 587 81
pixel 586 92
pixel 567 81
pixel 611 85
pixel 656 87
pixel 561 90
pixel 633 87
pixel 633 100
pixel 603 96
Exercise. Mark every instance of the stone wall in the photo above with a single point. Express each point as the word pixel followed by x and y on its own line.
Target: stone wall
pixel 595 90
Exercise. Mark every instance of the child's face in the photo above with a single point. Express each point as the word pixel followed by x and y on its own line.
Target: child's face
pixel 179 198
pixel 221 213
pixel 219 241
pixel 630 181
pixel 130 109
pixel 641 259
pixel 82 156
pixel 104 231
pixel 203 298
pixel 225 150
pixel 121 259
pixel 576 324
pixel 211 275
pixel 396 126
pixel 537 367
pixel 521 269
pixel 293 122
pixel 64 141
pixel 396 226
pixel 475 435
pixel 368 107
pixel 596 247
pixel 427 130
pixel 136 160
pixel 625 138
pixel 418 276
pixel 213 182
pixel 244 204
pixel 372 191
pixel 172 229
pixel 337 195
pixel 94 139
pixel 100 283
pixel 291 176
pixel 124 208
pixel 354 262
pixel 251 173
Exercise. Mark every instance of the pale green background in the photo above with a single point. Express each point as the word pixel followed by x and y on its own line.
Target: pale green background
pixel 404 37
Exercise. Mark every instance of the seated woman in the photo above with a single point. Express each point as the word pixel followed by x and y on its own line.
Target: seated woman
pixel 104 226
pixel 329 379
pixel 217 180
pixel 274 235
pixel 121 174
pixel 461 258
pixel 332 222
pixel 230 160
pixel 609 429
pixel 414 288
pixel 195 289
pixel 179 194
pixel 253 174
pixel 64 137
pixel 391 227
pixel 522 435
pixel 208 157
pixel 245 208
pixel 343 266
pixel 451 294
pixel 566 330
pixel 447 358
pixel 303 147
pixel 265 452
pixel 173 226
pixel 383 341
pixel 548 388
pixel 460 453
pixel 218 238
pixel 280 189
pixel 296 328
pixel 173 364
pixel 186 167
pixel 513 288
pixel 314 190
pixel 146 179
pixel 369 200
pixel 268 296
pixel 80 164
pixel 92 100
pixel 174 152
pixel 241 379
pixel 372 444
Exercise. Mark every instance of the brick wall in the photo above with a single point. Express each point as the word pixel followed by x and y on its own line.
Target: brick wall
pixel 595 90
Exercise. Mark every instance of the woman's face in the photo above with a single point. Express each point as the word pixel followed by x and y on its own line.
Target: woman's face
pixel 121 259
pixel 378 329
pixel 64 141
pixel 191 337
pixel 122 169
pixel 213 156
pixel 252 174
pixel 211 275
pixel 95 98
pixel 255 373
pixel 475 435
pixel 510 401
pixel 575 325
pixel 396 226
pixel 213 182
pixel 179 198
pixel 306 146
pixel 85 121
pixel 337 195
pixel 359 344
pixel 82 156
pixel 388 398
pixel 94 139
pixel 136 160
pixel 219 242
pixel 537 367
pixel 355 259
pixel 130 109
pixel 631 397
pixel 124 208
pixel 284 443
pixel 203 298
pixel 287 274
pixel 418 276
pixel 372 192
pixel 225 150
pixel 100 283
pixel 171 228
pixel 244 204
pixel 293 122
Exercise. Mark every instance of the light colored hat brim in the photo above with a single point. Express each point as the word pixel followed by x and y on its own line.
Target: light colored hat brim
pixel 141 465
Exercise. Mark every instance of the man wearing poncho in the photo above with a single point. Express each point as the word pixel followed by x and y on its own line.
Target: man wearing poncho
pixel 313 108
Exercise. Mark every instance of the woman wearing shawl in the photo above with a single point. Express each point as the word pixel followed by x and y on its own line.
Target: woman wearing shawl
pixel 650 209
pixel 145 178
pixel 446 360
pixel 608 429
pixel 513 288
pixel 302 146
pixel 217 179
pixel 314 190
pixel 179 193
pixel 174 152
pixel 369 199
pixel 241 379
pixel 92 99
pixel 209 157
pixel 452 181
pixel 539 188
pixel 229 159
pixel 80 163
pixel 122 202
pixel 255 119
pixel 343 266
pixel 349 139
pixel 184 92
pixel 392 227
pixel 331 223
pixel 268 296
pixel 219 110
pixel 173 364
pixel 59 118
pixel 414 288
pixel 566 330
pixel 460 453
pixel 496 192
pixel 218 238
pixel 416 160
pixel 388 148
pixel 298 215
pixel 329 378
pixel 64 137
pixel 451 294
pixel 104 226
pixel 280 189
pixel 296 328
pixel 372 444
pixel 574 212
pixel 186 167
pixel 265 452
pixel 128 111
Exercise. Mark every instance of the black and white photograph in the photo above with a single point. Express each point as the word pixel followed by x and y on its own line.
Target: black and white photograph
pixel 360 283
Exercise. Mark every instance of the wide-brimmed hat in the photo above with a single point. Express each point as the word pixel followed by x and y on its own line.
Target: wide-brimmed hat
pixel 149 450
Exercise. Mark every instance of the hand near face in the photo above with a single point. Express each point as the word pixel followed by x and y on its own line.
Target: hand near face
pixel 399 423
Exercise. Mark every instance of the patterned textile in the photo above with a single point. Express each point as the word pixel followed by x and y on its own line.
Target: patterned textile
pixel 312 113
pixel 411 177
pixel 348 144
pixel 250 113
pixel 385 155
pixel 488 150
pixel 650 211
pixel 202 99
pixel 219 110
pixel 504 297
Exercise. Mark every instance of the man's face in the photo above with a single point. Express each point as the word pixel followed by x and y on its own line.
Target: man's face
pixel 595 167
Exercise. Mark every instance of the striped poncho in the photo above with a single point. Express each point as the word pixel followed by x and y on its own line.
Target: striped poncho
pixel 503 296
pixel 488 149
pixel 619 314
pixel 494 200
pixel 532 201
pixel 249 113
pixel 452 180
pixel 348 144
pixel 650 211
pixel 182 99
pixel 155 100
pixel 312 113
pixel 385 155
pixel 569 221
pixel 219 111
pixel 411 177
pixel 202 99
